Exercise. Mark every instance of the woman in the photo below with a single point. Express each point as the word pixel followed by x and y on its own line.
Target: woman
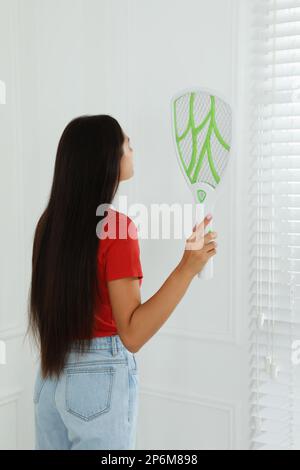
pixel 85 310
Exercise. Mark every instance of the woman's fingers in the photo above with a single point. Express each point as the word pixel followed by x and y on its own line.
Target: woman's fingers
pixel 209 237
pixel 203 224
pixel 203 244
pixel 199 229
pixel 198 238
pixel 211 246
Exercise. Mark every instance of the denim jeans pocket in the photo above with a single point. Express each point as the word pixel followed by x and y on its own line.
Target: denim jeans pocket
pixel 89 391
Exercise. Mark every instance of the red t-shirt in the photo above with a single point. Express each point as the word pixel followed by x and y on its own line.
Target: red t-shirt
pixel 117 258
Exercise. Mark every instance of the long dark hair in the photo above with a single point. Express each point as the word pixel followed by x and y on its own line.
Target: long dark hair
pixel 64 282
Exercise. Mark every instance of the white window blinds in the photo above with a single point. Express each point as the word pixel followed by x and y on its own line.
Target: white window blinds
pixel 275 224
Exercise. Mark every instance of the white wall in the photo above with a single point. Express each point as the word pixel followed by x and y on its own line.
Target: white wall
pixel 127 58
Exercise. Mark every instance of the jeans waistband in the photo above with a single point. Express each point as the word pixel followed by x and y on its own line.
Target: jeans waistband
pixel 111 343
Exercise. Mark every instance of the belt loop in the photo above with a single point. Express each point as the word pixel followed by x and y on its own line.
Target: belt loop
pixel 114 346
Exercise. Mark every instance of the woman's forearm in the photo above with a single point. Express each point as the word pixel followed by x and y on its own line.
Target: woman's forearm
pixel 148 318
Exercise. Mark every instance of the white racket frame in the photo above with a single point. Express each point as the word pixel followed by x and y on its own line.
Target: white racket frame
pixel 202 209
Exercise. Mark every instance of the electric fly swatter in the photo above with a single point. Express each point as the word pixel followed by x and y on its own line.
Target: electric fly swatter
pixel 202 131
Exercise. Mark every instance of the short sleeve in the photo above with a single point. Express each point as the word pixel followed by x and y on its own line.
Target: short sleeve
pixel 122 257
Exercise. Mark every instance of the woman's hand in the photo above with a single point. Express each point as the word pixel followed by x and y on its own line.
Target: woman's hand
pixel 199 248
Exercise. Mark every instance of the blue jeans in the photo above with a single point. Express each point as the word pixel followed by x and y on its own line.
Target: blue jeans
pixel 93 404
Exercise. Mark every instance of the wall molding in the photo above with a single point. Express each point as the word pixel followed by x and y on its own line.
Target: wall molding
pixel 12 332
pixel 17 329
pixel 229 407
pixel 10 396
pixel 18 149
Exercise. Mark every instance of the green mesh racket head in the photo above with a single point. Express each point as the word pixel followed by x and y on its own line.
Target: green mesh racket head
pixel 202 127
